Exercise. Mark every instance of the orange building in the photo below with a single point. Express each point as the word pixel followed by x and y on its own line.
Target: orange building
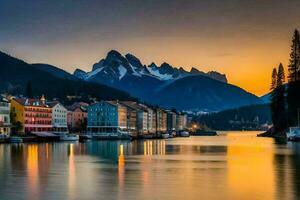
pixel 77 116
pixel 34 114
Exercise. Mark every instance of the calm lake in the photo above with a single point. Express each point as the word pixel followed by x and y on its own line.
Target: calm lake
pixel 234 165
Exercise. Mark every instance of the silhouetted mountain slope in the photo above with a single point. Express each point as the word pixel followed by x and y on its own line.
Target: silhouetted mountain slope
pixel 243 118
pixel 15 74
pixel 55 71
pixel 203 93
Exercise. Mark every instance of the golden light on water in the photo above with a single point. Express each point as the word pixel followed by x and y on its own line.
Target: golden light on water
pixel 250 168
pixel 121 166
pixel 32 168
pixel 71 173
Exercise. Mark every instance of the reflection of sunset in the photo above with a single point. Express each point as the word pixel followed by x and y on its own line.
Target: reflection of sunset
pixel 250 169
pixel 72 174
pixel 32 168
pixel 121 165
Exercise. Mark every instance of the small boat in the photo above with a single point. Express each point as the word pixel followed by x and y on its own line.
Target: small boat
pixel 165 135
pixel 294 134
pixel 69 137
pixel 85 137
pixel 15 139
pixel 172 134
pixel 184 134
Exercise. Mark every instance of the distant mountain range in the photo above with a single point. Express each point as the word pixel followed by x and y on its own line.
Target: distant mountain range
pixel 49 80
pixel 162 85
pixel 166 85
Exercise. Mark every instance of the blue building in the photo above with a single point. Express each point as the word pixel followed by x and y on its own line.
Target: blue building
pixel 107 118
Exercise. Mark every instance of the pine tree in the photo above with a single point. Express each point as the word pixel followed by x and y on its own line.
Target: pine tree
pixel 293 93
pixel 280 75
pixel 294 65
pixel 274 79
pixel 278 110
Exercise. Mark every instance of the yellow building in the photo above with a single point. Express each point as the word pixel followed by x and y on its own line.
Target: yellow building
pixel 18 112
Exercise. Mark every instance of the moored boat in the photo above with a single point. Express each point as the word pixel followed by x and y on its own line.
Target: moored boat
pixel 85 137
pixel 118 135
pixel 15 139
pixel 294 134
pixel 69 137
pixel 184 134
pixel 165 135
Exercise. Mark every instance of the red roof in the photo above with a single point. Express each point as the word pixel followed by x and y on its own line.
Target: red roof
pixel 31 102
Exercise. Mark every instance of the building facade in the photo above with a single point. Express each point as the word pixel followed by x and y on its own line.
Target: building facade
pixel 77 117
pixel 5 125
pixel 171 120
pixel 107 117
pixel 181 121
pixel 138 118
pixel 59 117
pixel 161 121
pixel 34 115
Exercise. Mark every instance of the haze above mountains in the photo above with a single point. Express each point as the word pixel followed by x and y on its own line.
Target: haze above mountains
pixel 162 85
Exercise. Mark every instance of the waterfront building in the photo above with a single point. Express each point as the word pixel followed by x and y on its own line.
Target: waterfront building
pixel 131 116
pixel 171 120
pixel 107 117
pixel 59 117
pixel 161 121
pixel 34 115
pixel 77 116
pixel 4 117
pixel 181 121
pixel 141 119
pixel 151 119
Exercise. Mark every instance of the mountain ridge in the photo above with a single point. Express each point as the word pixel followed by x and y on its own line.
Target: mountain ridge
pixel 149 83
pixel 134 66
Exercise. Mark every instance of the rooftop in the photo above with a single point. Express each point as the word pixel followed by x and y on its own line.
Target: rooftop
pixel 31 102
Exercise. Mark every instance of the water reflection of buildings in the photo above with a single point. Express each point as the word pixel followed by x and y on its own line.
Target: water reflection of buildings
pixel 154 147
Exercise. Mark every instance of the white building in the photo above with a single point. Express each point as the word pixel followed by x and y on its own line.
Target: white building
pixel 151 119
pixel 181 121
pixel 59 117
pixel 4 116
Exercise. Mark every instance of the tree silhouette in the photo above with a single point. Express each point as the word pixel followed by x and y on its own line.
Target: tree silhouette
pixel 294 65
pixel 278 111
pixel 274 79
pixel 293 94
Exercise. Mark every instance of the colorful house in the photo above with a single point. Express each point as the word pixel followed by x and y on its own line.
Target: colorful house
pixel 161 121
pixel 4 117
pixel 59 117
pixel 107 118
pixel 33 114
pixel 132 114
pixel 171 120
pixel 141 117
pixel 77 116
pixel 181 121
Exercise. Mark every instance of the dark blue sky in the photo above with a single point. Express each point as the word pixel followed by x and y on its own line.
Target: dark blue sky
pixel 225 35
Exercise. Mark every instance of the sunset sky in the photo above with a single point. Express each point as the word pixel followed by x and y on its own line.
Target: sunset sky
pixel 244 39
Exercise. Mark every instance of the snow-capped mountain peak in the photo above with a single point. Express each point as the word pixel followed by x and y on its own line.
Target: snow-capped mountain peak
pixel 116 66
